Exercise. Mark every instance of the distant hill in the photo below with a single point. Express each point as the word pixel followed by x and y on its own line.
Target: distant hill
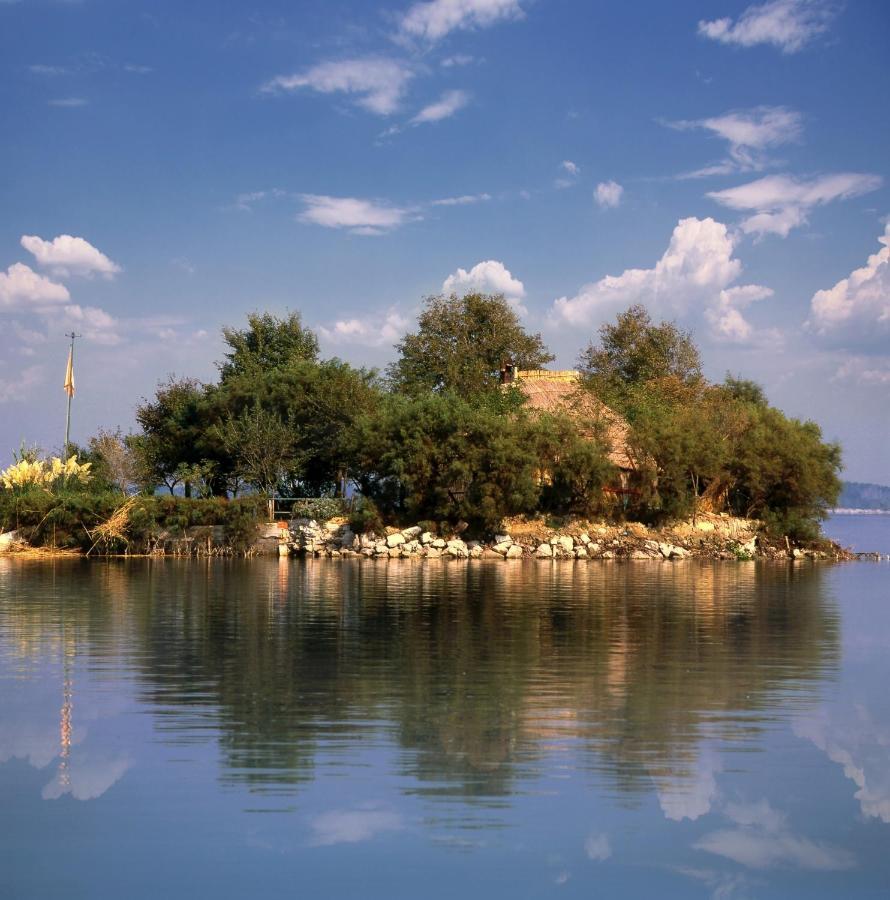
pixel 858 495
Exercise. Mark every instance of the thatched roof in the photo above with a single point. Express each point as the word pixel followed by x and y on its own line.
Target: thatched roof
pixel 561 392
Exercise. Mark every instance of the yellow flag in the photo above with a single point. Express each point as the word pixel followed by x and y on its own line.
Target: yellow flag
pixel 69 375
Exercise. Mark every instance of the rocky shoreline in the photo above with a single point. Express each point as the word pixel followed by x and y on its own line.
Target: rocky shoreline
pixel 710 537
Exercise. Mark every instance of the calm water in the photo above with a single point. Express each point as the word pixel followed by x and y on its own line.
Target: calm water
pixel 865 534
pixel 438 730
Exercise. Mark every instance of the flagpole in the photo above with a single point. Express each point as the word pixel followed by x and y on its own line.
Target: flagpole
pixel 70 392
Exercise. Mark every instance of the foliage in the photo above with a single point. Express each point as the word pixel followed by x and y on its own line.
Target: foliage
pixel 113 459
pixel 440 457
pixel 260 445
pixel 572 468
pixel 67 518
pixel 460 345
pixel 319 508
pixel 267 343
pixel 365 517
pixel 634 351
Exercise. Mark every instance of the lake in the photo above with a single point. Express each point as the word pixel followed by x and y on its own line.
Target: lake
pixel 429 729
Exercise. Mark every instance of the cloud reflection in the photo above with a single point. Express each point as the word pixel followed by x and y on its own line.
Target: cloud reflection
pixel 352 826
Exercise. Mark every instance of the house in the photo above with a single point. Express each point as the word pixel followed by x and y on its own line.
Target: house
pixel 551 391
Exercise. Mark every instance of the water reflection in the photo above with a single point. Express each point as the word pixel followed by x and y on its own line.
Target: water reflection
pixel 477 671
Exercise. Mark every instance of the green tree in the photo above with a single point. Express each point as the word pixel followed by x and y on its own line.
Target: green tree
pixel 174 426
pixel 441 457
pixel 267 343
pixel 460 345
pixel 634 351
pixel 261 446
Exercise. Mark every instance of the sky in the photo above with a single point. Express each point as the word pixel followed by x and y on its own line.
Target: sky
pixel 168 168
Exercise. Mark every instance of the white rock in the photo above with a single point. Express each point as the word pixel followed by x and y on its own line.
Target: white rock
pixel 426 538
pixel 514 551
pixel 395 540
pixel 503 539
pixel 380 547
pixel 433 553
pixel 456 548
pixel 566 542
pixel 475 552
pixel 502 547
pixel 439 544
pixel 411 532
pixel 581 553
pixel 544 551
pixel 584 538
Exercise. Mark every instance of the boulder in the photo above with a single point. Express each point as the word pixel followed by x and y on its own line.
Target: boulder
pixel 581 553
pixel 514 551
pixel 502 547
pixel 395 540
pixel 475 552
pixel 566 543
pixel 411 532
pixel 433 552
pixel 544 551
pixel 439 544
pixel 503 539
pixel 426 538
pixel 456 548
pixel 394 552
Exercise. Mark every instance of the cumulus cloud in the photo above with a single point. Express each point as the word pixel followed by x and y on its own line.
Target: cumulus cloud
pixel 93 323
pixel 571 168
pixel 695 276
pixel 462 200
pixel 857 308
pixel 352 826
pixel 782 202
pixel 866 370
pixel 571 171
pixel 365 217
pixel 749 134
pixel 446 106
pixel 487 277
pixel 857 738
pixel 597 847
pixel 373 330
pixel 377 83
pixel 67 255
pixel 21 286
pixel 608 194
pixel 788 25
pixel 435 19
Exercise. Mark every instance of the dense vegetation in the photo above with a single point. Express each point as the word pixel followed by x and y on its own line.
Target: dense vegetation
pixel 438 439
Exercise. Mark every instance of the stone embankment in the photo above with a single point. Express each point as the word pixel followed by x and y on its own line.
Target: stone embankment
pixel 711 537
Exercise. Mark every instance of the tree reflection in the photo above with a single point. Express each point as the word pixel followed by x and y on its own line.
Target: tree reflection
pixel 478 671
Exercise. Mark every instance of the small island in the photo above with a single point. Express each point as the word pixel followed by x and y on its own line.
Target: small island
pixel 467 446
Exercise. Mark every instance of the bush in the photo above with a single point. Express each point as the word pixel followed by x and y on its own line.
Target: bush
pixel 365 517
pixel 320 508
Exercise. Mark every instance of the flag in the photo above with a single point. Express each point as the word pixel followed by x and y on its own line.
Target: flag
pixel 69 374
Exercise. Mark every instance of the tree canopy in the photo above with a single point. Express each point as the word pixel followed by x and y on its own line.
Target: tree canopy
pixel 268 342
pixel 460 345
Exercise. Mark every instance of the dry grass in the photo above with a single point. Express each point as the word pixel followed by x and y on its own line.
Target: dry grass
pixel 114 528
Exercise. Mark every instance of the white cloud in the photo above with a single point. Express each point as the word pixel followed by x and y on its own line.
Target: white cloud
pixel 597 847
pixel 378 83
pixel 365 217
pixel 374 330
pixel 858 306
pixel 782 202
pixel 89 775
pixel 18 387
pixel 93 323
pixel 352 826
pixel 866 370
pixel 458 60
pixel 246 201
pixel 68 102
pixel 694 277
pixel 786 24
pixel 749 133
pixel 487 277
pixel 568 166
pixel 462 200
pixel 608 194
pixel 435 19
pixel 759 849
pixel 445 107
pixel 689 795
pixel 21 285
pixel 42 69
pixel 66 255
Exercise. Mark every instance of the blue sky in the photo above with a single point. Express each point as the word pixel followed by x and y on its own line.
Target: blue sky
pixel 170 167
